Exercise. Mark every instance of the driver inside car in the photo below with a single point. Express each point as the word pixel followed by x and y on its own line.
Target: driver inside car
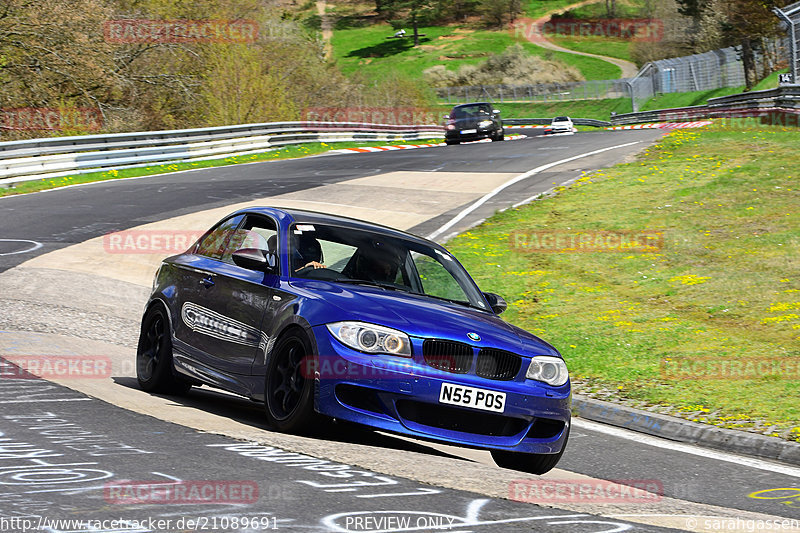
pixel 376 264
pixel 307 252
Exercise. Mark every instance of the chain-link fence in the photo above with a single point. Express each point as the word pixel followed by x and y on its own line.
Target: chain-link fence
pixel 790 16
pixel 700 72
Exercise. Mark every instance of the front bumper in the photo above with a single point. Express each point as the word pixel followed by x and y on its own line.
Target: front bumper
pixel 402 395
pixel 485 133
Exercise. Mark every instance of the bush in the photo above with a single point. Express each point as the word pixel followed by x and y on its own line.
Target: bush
pixel 512 67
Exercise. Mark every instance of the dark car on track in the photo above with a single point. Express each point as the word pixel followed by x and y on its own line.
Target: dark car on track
pixel 320 315
pixel 473 122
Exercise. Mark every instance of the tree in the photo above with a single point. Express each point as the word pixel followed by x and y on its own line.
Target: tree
pixel 611 8
pixel 500 12
pixel 744 24
pixel 417 13
pixel 747 22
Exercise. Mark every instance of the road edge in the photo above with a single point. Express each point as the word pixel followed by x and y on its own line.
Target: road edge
pixel 678 429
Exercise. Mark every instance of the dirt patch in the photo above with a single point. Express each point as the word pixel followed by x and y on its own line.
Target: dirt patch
pixel 432 46
pixel 451 37
pixel 464 56
pixel 463 30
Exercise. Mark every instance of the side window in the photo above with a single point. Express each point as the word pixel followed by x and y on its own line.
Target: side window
pixel 436 280
pixel 256 232
pixel 213 243
pixel 336 255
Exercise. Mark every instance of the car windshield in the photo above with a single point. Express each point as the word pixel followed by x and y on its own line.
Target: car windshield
pixel 560 119
pixel 351 256
pixel 471 111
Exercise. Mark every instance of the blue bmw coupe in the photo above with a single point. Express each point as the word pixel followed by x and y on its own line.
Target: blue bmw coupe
pixel 320 315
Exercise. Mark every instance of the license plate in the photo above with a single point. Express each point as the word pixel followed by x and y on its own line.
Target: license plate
pixel 467 132
pixel 483 399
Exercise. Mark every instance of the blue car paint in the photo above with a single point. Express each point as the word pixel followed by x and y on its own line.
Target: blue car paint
pixel 311 304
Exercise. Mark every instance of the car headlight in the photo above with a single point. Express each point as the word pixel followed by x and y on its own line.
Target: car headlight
pixel 551 370
pixel 484 123
pixel 371 338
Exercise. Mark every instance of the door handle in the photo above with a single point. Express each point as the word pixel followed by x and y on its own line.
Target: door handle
pixel 207 282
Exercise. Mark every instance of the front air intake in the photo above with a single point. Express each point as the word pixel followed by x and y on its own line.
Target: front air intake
pixel 448 356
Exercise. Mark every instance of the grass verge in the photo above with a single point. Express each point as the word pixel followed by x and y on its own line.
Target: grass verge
pixel 722 286
pixel 289 152
pixel 368 50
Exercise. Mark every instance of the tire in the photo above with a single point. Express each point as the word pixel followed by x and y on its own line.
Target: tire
pixel 532 463
pixel 154 370
pixel 288 394
pixel 451 143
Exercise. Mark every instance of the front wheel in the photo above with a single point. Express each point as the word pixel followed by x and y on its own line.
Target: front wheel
pixel 532 463
pixel 289 389
pixel 154 356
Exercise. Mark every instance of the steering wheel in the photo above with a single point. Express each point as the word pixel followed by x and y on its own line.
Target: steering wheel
pixel 309 272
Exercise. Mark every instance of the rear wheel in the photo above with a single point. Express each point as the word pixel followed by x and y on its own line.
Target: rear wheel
pixel 154 370
pixel 289 390
pixel 450 143
pixel 532 463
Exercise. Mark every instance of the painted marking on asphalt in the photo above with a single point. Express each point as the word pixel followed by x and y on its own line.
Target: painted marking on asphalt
pixel 369 149
pixel 34 246
pixel 515 180
pixel 427 520
pixel 48 400
pixel 686 448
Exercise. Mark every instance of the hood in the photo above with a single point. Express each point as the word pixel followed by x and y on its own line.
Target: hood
pixel 416 315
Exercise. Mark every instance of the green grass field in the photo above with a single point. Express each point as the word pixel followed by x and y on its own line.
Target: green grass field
pixel 368 50
pixel 721 286
pixel 607 46
pixel 289 152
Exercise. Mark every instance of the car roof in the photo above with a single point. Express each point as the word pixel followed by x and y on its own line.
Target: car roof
pixel 287 216
pixel 473 104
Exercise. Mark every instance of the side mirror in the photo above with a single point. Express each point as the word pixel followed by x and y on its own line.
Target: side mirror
pixel 496 302
pixel 255 259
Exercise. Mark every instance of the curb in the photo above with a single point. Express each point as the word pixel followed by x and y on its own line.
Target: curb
pixel 368 149
pixel 678 429
pixel 663 126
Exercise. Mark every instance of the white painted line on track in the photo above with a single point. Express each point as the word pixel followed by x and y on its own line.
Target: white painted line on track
pixel 517 179
pixel 35 246
pixel 687 448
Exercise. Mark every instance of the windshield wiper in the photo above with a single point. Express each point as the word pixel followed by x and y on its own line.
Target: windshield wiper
pixel 451 300
pixel 371 283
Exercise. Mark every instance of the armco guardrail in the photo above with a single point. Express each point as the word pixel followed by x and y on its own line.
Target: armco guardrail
pixel 541 121
pixel 771 102
pixel 64 156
